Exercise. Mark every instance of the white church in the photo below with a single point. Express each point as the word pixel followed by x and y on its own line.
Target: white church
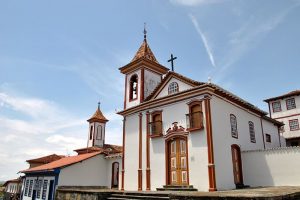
pixel 178 132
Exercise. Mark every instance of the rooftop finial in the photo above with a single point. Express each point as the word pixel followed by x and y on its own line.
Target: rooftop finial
pixel 99 105
pixel 145 32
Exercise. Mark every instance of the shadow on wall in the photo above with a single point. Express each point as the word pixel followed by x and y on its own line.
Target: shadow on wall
pixel 273 167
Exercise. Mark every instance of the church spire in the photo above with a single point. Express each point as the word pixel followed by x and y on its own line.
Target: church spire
pixel 98 116
pixel 144 51
pixel 145 32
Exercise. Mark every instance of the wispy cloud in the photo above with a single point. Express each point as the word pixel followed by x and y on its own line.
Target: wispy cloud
pixel 32 127
pixel 194 2
pixel 204 40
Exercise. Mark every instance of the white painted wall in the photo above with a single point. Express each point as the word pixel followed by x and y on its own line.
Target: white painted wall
pixel 90 172
pixel 109 163
pixel 131 152
pixel 151 81
pixel 223 140
pixel 182 86
pixel 273 167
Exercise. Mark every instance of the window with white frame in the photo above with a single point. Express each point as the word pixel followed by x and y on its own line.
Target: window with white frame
pixel 173 88
pixel 45 185
pixel 26 187
pixel 290 104
pixel 30 187
pixel 252 132
pixel 276 106
pixel 39 188
pixel 294 124
pixel 233 124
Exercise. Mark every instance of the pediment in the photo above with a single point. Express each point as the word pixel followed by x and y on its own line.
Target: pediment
pixel 182 83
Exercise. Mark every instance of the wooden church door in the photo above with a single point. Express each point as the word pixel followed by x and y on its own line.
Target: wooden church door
pixel 115 175
pixel 178 170
pixel 237 165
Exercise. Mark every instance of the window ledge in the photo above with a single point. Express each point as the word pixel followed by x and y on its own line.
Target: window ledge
pixel 155 135
pixel 195 129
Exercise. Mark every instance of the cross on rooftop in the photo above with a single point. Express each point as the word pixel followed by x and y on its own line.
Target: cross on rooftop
pixel 171 60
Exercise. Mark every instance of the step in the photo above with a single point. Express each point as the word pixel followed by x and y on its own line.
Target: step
pixel 176 189
pixel 178 186
pixel 137 196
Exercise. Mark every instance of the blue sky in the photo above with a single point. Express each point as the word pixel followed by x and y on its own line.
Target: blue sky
pixel 59 58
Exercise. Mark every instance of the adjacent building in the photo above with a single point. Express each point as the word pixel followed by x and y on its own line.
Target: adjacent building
pixel 95 166
pixel 286 109
pixel 12 189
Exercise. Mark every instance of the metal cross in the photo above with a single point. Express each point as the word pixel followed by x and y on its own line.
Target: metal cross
pixel 171 60
pixel 99 105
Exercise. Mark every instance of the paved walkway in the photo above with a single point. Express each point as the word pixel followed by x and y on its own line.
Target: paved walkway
pixel 280 192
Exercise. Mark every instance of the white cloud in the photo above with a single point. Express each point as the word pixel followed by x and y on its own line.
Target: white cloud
pixel 194 2
pixel 204 40
pixel 45 128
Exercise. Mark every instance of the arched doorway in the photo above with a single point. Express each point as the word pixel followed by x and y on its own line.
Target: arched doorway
pixel 237 165
pixel 177 161
pixel 115 175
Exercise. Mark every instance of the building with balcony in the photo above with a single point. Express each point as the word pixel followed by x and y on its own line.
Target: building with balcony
pixel 286 109
pixel 186 133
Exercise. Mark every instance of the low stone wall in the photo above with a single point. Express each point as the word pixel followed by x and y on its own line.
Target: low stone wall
pixel 81 193
pixel 272 167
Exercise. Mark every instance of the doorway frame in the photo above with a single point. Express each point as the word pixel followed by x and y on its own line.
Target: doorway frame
pixel 167 157
pixel 112 174
pixel 239 158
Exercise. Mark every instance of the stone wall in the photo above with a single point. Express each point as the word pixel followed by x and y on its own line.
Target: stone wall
pixel 80 194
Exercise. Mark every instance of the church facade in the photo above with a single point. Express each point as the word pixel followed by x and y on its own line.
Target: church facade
pixel 181 132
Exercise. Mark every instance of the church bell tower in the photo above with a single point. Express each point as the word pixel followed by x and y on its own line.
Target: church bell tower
pixel 142 75
pixel 97 124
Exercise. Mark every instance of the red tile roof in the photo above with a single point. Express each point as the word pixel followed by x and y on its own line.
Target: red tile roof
pixel 144 52
pixel 106 149
pixel 61 163
pixel 97 117
pixel 45 159
pixel 289 94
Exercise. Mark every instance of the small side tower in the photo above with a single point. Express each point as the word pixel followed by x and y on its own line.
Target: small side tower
pixel 97 122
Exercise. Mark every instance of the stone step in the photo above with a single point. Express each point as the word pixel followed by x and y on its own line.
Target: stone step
pixel 138 196
pixel 177 188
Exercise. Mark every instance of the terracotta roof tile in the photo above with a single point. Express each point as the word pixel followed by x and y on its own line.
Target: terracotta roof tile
pixel 106 149
pixel 98 116
pixel 45 159
pixel 144 52
pixel 61 163
pixel 289 94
